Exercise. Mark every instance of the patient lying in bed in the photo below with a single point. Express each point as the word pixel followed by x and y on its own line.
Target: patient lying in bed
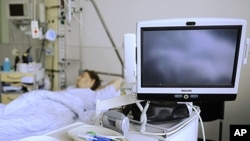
pixel 41 111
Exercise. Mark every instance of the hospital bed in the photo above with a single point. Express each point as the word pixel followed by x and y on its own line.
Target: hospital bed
pixel 59 123
pixel 41 111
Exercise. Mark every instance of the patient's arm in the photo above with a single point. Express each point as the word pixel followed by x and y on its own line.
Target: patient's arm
pixel 116 83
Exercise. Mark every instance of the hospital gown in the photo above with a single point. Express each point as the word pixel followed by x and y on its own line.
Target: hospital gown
pixel 41 111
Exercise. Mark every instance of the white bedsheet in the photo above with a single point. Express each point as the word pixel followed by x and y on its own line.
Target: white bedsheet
pixel 39 112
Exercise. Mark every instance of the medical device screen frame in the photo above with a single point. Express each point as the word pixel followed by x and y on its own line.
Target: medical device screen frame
pixel 189 59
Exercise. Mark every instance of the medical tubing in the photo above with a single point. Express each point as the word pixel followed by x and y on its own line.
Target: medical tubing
pixel 139 105
pixel 144 117
pixel 178 128
pixel 141 109
pixel 201 122
pixel 165 133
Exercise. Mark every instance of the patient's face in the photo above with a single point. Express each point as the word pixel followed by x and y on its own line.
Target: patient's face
pixel 84 81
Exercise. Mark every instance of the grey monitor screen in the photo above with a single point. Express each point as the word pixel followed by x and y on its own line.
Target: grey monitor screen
pixel 188 57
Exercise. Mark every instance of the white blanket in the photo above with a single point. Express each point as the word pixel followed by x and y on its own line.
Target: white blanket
pixel 42 111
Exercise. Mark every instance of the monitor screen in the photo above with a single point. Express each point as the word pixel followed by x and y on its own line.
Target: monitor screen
pixel 189 60
pixel 19 9
pixel 16 9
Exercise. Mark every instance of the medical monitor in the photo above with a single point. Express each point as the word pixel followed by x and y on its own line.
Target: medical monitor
pixel 19 9
pixel 189 59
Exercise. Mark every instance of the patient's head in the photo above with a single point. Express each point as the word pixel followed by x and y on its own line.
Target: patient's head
pixel 88 79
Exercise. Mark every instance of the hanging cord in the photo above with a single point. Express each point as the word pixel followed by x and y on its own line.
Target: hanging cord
pixel 108 34
pixel 166 134
pixel 143 118
pixel 201 121
pixel 34 10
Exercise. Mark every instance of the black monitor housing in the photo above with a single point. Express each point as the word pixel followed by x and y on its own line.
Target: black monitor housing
pixel 193 59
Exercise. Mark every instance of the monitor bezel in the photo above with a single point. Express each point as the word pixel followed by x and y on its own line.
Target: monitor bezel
pixel 187 93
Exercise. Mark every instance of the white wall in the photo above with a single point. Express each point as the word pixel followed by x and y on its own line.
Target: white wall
pixel 121 17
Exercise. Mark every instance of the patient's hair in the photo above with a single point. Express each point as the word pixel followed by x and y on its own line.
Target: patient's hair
pixel 94 75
